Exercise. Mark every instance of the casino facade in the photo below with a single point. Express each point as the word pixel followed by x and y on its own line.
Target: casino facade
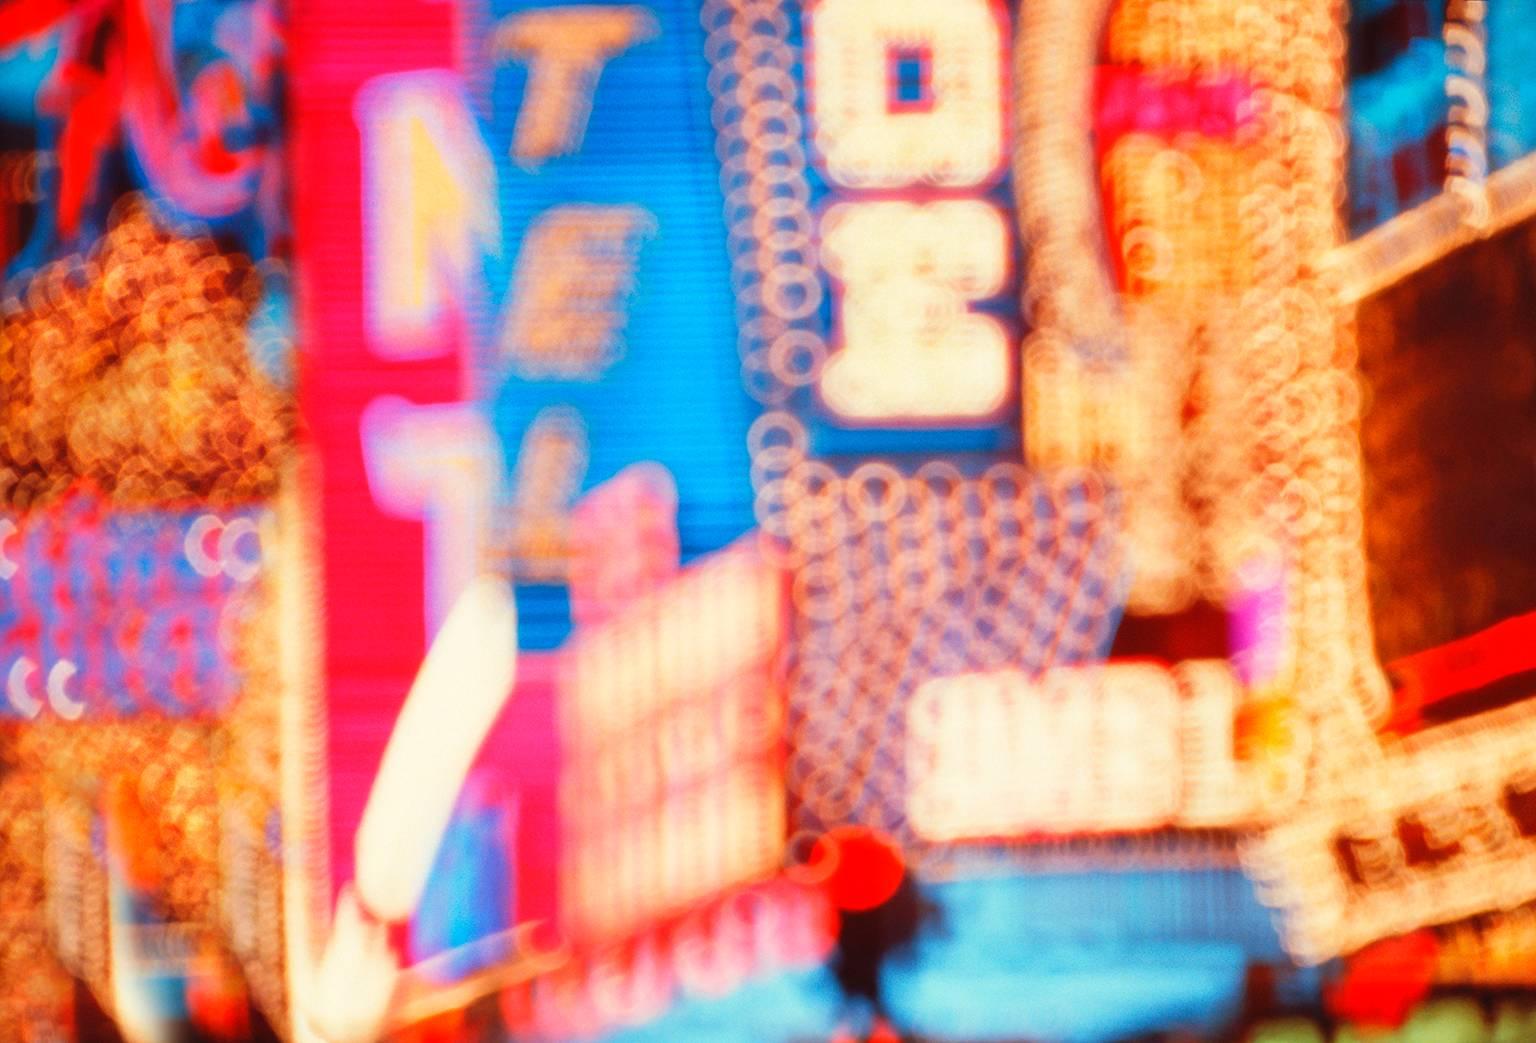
pixel 774 520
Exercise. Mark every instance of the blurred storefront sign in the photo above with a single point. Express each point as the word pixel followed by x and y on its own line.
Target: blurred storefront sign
pixel 1115 747
pixel 673 707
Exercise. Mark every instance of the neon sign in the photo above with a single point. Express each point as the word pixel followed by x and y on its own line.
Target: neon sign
pixel 674 790
pixel 144 363
pixel 1388 835
pixel 574 277
pixel 909 347
pixel 1442 829
pixel 565 49
pixel 1120 747
pixel 1202 363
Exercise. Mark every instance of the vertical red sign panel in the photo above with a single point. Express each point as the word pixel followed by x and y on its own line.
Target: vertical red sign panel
pixel 374 630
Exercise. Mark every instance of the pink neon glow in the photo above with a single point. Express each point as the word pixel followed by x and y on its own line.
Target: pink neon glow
pixel 1132 100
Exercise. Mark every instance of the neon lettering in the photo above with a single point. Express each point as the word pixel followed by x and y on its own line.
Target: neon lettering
pixel 574 275
pixel 429 207
pixel 565 49
pixel 909 346
pixel 440 465
pixel 867 135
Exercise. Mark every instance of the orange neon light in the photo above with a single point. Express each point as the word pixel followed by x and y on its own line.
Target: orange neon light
pixel 1388 836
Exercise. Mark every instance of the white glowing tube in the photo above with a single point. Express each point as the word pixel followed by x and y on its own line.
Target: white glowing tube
pixel 461 687
pixel 355 980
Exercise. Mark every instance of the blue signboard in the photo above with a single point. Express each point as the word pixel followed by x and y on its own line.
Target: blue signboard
pixel 611 322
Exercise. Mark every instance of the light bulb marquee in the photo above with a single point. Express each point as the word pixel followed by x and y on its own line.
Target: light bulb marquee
pixel 1191 411
pixel 144 451
pixel 1047 328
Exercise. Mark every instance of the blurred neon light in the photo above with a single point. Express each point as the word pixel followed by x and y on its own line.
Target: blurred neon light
pixel 1498 950
pixel 674 792
pixel 463 683
pixel 1229 290
pixel 551 463
pixel 1466 88
pixel 1436 674
pixel 909 345
pixel 464 680
pixel 565 49
pixel 439 465
pixel 955 140
pixel 626 542
pixel 117 613
pixel 1431 230
pixel 1385 981
pixel 1133 100
pixel 862 867
pixel 429 208
pixel 574 275
pixel 1112 748
pixel 1442 828
pixel 710 953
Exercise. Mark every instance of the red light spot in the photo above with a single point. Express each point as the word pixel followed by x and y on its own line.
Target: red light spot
pixel 209 543
pixel 217 1002
pixel 130 834
pixel 1382 983
pixel 867 867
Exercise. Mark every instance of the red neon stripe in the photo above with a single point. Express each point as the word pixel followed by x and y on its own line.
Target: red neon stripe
pixel 20 19
pixel 1464 665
